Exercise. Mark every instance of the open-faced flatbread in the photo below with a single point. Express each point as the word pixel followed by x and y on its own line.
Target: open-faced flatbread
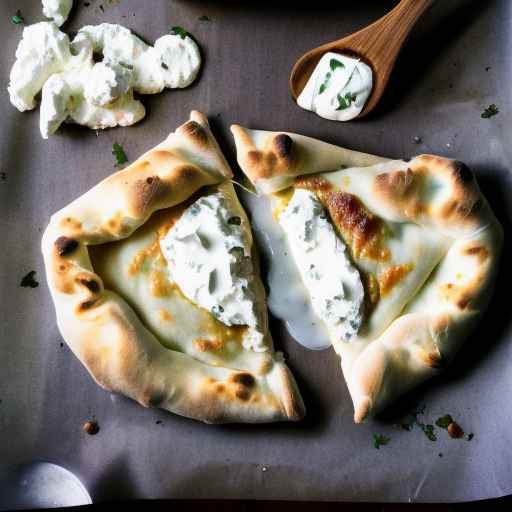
pixel 421 244
pixel 130 323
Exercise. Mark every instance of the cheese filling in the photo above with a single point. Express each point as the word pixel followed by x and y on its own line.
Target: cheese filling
pixel 208 252
pixel 333 283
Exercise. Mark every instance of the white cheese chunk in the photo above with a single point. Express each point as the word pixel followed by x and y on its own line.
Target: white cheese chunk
pixel 107 82
pixel 338 87
pixel 57 10
pixel 63 99
pixel 180 60
pixel 97 95
pixel 333 283
pixel 117 44
pixel 42 51
pixel 209 257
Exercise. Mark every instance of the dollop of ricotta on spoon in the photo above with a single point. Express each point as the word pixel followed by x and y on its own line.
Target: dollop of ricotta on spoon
pixel 338 88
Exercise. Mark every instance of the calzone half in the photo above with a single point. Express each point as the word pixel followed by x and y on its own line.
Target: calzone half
pixel 156 287
pixel 398 257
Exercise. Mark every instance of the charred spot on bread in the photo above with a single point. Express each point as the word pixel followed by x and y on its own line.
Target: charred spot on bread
pixel 86 305
pixel 196 132
pixel 462 172
pixel 481 252
pixel 283 145
pixel 65 245
pixel 91 284
pixel 246 379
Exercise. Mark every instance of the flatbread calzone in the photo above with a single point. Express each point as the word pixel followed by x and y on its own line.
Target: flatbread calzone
pixel 119 305
pixel 421 243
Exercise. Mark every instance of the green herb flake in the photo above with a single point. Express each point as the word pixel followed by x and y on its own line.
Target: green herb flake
pixel 179 31
pixel 18 19
pixel 345 101
pixel 428 430
pixel 444 421
pixel 204 18
pixel 379 440
pixel 29 280
pixel 334 63
pixel 323 87
pixel 490 111
pixel 118 152
pixel 235 221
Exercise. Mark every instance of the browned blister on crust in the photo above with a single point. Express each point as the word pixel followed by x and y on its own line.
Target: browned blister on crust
pixel 102 329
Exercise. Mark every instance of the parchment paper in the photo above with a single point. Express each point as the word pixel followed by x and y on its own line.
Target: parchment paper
pixel 455 65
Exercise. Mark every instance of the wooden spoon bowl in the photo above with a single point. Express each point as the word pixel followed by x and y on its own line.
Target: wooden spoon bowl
pixel 378 45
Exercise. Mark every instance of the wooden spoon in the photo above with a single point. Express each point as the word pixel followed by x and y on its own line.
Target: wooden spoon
pixel 378 45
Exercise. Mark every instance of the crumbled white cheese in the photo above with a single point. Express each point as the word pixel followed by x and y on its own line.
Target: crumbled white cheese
pixel 97 95
pixel 209 257
pixel 57 10
pixel 43 51
pixel 117 44
pixel 334 284
pixel 180 60
pixel 338 87
pixel 107 82
pixel 63 99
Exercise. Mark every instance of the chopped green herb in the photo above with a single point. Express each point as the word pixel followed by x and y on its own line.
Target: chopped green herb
pixel 428 430
pixel 325 83
pixel 29 281
pixel 334 63
pixel 17 19
pixel 204 18
pixel 490 111
pixel 470 436
pixel 118 152
pixel 379 440
pixel 235 221
pixel 179 31
pixel 444 421
pixel 346 101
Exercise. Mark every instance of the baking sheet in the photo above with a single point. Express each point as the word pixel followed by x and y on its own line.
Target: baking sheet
pixel 456 64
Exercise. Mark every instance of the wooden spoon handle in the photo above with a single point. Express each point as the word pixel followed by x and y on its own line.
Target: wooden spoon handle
pixel 378 45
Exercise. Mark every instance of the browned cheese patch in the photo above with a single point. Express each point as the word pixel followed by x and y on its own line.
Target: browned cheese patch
pixel 165 315
pixel 363 231
pixel 390 277
pixel 208 345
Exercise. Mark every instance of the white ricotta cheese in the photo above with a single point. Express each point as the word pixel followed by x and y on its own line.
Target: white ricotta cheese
pixel 43 51
pixel 63 99
pixel 97 95
pixel 338 87
pixel 209 257
pixel 333 283
pixel 180 60
pixel 57 10
pixel 107 82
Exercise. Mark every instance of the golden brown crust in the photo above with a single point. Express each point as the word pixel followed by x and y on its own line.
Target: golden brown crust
pixel 120 353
